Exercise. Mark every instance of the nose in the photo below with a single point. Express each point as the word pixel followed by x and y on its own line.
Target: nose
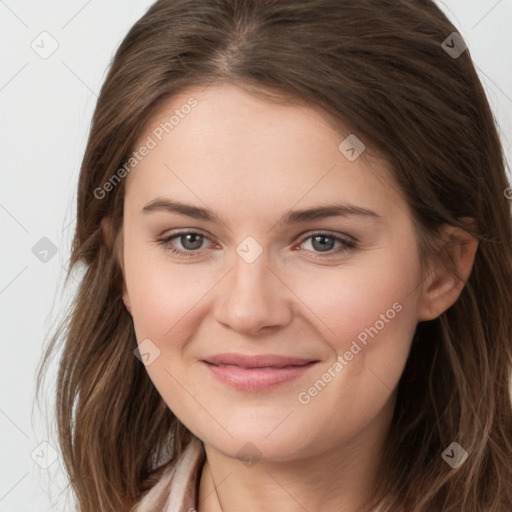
pixel 253 297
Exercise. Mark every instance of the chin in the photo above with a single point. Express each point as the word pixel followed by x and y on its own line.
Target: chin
pixel 251 444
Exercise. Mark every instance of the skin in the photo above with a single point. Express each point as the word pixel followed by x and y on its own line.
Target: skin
pixel 251 161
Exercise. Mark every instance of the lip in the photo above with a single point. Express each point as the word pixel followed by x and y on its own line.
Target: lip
pixel 256 372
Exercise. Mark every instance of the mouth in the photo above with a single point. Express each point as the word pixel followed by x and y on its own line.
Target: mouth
pixel 256 372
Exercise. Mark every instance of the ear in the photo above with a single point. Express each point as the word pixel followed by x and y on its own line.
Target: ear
pixel 116 246
pixel 442 289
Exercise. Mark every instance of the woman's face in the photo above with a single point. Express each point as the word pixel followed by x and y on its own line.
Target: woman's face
pixel 259 266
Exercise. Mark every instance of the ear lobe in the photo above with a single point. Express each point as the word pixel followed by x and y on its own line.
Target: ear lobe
pixel 443 289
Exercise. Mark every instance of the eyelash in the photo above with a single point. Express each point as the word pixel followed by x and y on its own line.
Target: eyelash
pixel 347 244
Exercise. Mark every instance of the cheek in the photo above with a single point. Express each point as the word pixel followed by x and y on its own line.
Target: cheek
pixel 163 296
pixel 166 304
pixel 367 316
pixel 367 305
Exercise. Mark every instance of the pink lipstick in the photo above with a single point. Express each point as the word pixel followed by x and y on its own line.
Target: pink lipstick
pixel 256 372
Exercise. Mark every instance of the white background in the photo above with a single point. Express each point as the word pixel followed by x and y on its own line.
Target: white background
pixel 46 106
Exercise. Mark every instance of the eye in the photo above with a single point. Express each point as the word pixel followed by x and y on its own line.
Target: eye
pixel 190 242
pixel 326 242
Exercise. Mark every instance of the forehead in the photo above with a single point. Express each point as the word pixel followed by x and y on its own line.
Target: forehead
pixel 221 141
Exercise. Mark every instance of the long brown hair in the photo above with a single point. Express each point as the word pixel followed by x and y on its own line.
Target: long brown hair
pixel 379 67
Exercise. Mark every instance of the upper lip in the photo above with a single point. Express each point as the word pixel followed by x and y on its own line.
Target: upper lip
pixel 257 361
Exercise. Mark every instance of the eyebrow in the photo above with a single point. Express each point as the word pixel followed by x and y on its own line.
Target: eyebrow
pixel 291 217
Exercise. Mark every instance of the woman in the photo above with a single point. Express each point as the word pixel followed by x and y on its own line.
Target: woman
pixel 298 284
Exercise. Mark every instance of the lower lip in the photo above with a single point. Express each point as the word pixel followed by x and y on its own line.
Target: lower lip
pixel 256 379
